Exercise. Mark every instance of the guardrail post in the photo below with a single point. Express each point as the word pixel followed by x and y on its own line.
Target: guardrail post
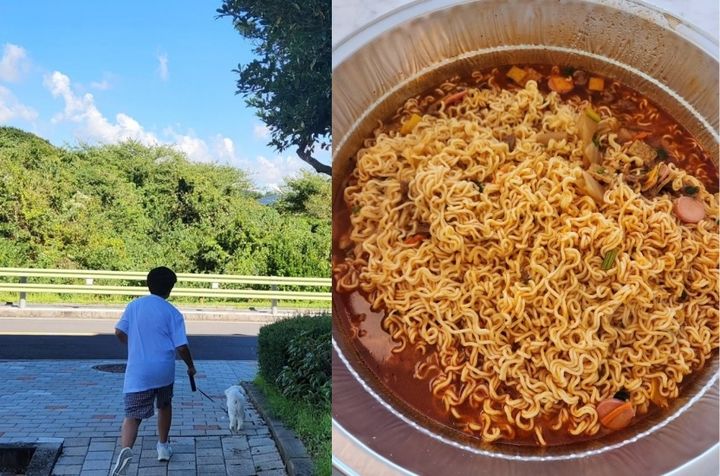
pixel 23 295
pixel 89 281
pixel 214 285
pixel 274 302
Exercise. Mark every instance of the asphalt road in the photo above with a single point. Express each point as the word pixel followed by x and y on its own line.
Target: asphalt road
pixel 36 338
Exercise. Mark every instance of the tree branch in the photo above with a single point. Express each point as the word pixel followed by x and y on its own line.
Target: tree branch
pixel 319 167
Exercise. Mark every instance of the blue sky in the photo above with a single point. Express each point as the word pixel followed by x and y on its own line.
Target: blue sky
pixel 157 72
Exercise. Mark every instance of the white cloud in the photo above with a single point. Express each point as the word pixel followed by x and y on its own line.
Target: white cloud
pixel 228 147
pixel 14 63
pixel 195 148
pixel 103 85
pixel 266 172
pixel 107 82
pixel 261 131
pixel 81 110
pixel 11 108
pixel 271 172
pixel 163 66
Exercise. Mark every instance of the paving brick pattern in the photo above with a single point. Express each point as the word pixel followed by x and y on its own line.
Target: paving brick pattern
pixel 70 400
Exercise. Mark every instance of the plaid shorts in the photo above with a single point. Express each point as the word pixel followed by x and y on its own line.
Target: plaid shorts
pixel 140 404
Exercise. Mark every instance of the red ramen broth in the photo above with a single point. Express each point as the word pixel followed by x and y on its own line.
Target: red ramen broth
pixel 639 120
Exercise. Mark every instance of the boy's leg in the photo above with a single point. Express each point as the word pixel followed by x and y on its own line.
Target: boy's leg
pixel 164 412
pixel 163 423
pixel 138 406
pixel 129 431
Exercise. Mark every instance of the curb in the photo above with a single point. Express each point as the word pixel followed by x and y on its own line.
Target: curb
pixel 292 451
pixel 259 316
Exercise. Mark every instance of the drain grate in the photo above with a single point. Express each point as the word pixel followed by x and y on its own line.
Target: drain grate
pixel 112 368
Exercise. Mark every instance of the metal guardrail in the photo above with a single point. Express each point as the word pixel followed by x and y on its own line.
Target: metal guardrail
pixel 23 287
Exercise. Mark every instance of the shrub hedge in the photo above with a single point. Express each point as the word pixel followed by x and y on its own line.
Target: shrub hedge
pixel 298 348
pixel 307 374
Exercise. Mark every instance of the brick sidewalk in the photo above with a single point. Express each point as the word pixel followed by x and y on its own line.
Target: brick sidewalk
pixel 70 400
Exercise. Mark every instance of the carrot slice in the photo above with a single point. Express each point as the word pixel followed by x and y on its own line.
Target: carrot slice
pixel 414 239
pixel 560 84
pixel 619 417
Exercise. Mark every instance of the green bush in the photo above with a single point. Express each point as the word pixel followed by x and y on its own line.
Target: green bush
pixel 133 207
pixel 307 375
pixel 274 341
pixel 312 423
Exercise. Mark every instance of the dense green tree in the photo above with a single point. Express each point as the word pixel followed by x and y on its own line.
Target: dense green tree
pixel 307 194
pixel 132 207
pixel 289 82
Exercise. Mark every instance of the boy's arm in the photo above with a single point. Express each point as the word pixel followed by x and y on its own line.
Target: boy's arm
pixel 123 326
pixel 184 353
pixel 121 335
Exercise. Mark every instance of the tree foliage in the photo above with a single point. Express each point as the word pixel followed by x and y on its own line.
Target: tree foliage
pixel 289 82
pixel 307 194
pixel 133 207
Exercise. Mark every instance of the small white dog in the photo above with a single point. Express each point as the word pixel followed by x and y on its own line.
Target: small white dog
pixel 236 407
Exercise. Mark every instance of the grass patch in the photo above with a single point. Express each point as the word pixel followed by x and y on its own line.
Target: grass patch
pixel 311 424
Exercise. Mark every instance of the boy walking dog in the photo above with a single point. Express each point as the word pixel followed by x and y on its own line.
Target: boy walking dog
pixel 154 331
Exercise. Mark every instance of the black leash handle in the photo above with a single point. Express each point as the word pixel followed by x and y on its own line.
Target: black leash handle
pixel 192 383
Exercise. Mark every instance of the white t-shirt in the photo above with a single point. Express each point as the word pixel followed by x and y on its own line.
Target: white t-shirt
pixel 155 328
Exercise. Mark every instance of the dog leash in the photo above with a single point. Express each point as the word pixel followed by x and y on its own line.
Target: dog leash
pixel 193 387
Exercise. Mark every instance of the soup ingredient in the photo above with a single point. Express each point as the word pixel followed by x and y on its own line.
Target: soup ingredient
pixel 414 239
pixel 690 190
pixel 615 414
pixel 510 141
pixel 580 78
pixel 446 101
pixel 560 84
pixel 590 112
pixel 517 74
pixel 454 98
pixel 596 84
pixel 410 124
pixel 609 260
pixel 586 128
pixel 642 150
pixel 592 153
pixel 689 210
pixel 591 187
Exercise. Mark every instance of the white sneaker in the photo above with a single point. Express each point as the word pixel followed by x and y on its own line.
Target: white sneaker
pixel 123 462
pixel 164 451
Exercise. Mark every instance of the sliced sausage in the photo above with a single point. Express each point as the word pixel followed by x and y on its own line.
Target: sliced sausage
pixel 614 413
pixel 689 210
pixel 608 405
